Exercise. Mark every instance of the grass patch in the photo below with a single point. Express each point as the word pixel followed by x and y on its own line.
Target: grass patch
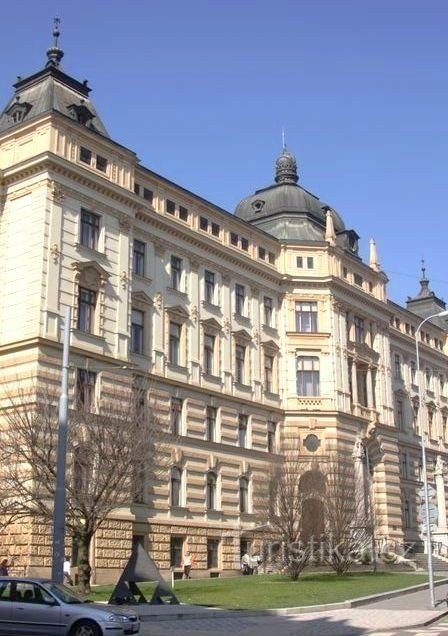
pixel 273 591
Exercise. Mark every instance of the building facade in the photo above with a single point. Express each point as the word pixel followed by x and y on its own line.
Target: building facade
pixel 245 329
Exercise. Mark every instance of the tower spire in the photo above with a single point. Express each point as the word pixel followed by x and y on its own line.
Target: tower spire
pixel 54 53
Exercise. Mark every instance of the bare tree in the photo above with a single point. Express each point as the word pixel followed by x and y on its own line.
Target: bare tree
pixel 111 453
pixel 282 505
pixel 348 519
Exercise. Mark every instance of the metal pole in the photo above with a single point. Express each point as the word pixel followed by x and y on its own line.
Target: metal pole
pixel 425 476
pixel 57 567
pixel 371 508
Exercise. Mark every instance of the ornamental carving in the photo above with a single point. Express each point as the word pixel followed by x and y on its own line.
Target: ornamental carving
pixel 57 192
pixel 226 325
pixel 158 301
pixel 124 279
pixel 55 253
pixel 125 225
pixel 194 313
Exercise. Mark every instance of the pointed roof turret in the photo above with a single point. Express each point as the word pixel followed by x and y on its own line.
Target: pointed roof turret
pixel 286 168
pixel 54 53
pixel 51 90
pixel 426 303
pixel 373 256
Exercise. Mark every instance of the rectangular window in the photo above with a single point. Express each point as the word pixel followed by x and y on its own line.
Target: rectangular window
pixel 212 553
pixel 176 272
pixel 310 262
pixel 85 155
pixel 137 331
pixel 174 345
pixel 299 261
pixel 215 229
pixel 245 244
pixel 90 229
pixel 139 249
pixel 357 279
pixel 101 163
pixel 242 431
pixel 397 367
pixel 262 253
pixel 306 317
pixel 86 310
pixel 183 213
pixel 176 416
pixel 136 188
pixel 308 376
pixel 444 422
pixel 170 206
pixel 404 465
pixel 203 223
pixel 407 514
pixel 268 373
pixel 233 239
pixel 272 437
pixel 209 287
pixel 211 423
pixel 240 299
pixel 359 329
pixel 267 311
pixel 176 551
pixel 399 415
pixel 344 272
pixel 85 390
pixel 148 195
pixel 271 258
pixel 240 355
pixel 209 353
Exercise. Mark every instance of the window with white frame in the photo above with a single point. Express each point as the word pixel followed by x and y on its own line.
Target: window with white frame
pixel 138 263
pixel 272 437
pixel 240 363
pixel 176 273
pixel 211 499
pixel 240 300
pixel 86 309
pixel 176 415
pixel 359 329
pixel 176 487
pixel 175 343
pixel 397 366
pixel 85 390
pixel 268 373
pixel 268 311
pixel 209 287
pixel 137 331
pixel 306 317
pixel 211 416
pixel 242 430
pixel 209 353
pixel 244 494
pixel 308 376
pixel 90 229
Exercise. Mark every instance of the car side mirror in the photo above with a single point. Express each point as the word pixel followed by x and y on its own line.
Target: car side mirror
pixel 51 601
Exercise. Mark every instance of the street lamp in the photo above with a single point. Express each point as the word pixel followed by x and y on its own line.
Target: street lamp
pixel 423 447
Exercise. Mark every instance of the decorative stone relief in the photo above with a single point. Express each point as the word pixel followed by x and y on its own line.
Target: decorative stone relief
pixel 57 192
pixel 194 313
pixel 158 301
pixel 55 253
pixel 124 279
pixel 159 248
pixel 226 325
pixel 125 225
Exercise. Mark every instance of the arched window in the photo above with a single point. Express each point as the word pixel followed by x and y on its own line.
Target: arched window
pixel 176 487
pixel 244 494
pixel 308 380
pixel 211 491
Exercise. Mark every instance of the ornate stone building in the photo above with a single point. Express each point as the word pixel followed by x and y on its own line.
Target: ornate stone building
pixel 248 328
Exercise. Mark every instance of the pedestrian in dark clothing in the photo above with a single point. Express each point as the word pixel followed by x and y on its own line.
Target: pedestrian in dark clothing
pixel 4 568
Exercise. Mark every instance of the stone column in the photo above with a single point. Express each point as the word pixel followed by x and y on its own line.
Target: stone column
pixel 358 454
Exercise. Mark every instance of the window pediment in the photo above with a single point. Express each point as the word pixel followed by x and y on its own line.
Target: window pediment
pixel 242 336
pixel 270 345
pixel 18 111
pixel 211 324
pixel 179 312
pixel 91 274
pixel 140 298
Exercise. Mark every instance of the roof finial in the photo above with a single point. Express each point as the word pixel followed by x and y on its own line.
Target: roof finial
pixel 283 140
pixel 54 53
pixel 423 269
pixel 424 284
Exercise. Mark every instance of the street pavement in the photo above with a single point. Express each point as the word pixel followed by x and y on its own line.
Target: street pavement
pixel 407 614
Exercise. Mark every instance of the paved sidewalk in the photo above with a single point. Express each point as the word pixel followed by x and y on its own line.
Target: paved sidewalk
pixel 404 611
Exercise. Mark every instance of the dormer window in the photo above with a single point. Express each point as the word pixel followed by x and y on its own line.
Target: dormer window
pixel 81 113
pixel 18 111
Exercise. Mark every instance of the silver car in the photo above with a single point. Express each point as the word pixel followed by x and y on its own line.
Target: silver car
pixel 39 606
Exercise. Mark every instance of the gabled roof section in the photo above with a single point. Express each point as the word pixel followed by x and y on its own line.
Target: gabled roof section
pixel 51 90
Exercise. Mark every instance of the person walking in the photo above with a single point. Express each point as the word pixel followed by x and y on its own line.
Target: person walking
pixel 245 564
pixel 4 567
pixel 188 563
pixel 67 571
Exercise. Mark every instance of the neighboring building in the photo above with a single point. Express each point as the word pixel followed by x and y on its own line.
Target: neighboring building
pixel 248 329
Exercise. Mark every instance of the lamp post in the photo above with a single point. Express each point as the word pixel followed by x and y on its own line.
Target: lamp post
pixel 423 448
pixel 59 495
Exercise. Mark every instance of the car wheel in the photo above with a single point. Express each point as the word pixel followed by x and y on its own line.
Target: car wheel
pixel 85 628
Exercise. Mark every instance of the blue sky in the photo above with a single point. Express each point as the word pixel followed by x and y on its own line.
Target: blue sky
pixel 200 89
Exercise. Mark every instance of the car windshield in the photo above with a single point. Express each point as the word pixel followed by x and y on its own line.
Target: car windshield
pixel 63 593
